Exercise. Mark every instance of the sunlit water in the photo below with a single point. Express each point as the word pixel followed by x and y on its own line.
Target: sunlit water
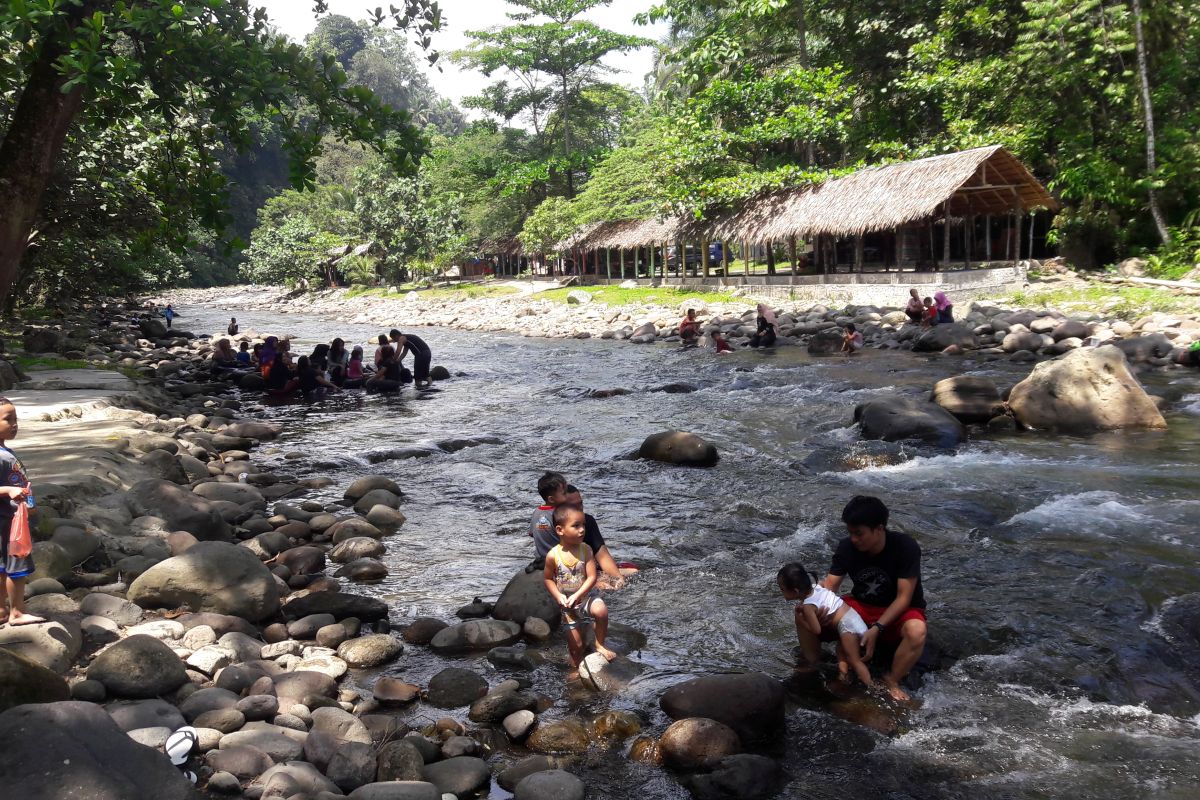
pixel 1047 559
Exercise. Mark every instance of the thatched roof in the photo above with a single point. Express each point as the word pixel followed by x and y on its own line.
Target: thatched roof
pixel 985 180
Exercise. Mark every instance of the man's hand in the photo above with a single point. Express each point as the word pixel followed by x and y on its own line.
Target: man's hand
pixel 868 642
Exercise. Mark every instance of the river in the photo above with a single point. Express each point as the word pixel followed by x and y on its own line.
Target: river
pixel 1047 559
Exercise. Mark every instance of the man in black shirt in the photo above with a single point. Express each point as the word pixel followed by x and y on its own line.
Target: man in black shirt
pixel 886 569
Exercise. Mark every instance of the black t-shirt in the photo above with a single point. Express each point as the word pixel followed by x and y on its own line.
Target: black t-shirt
pixel 416 345
pixel 308 379
pixel 875 576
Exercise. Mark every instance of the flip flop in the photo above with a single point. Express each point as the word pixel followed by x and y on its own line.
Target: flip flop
pixel 27 619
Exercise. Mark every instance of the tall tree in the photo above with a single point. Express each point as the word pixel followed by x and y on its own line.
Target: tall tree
pixel 1143 72
pixel 555 55
pixel 213 58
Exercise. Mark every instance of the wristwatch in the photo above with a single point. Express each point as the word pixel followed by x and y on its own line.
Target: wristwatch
pixel 879 625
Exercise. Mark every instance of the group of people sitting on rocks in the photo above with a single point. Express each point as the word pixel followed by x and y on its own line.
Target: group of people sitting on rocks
pixel 936 310
pixel 575 561
pixel 330 367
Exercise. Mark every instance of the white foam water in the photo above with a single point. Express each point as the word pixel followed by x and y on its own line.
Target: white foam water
pixel 1099 509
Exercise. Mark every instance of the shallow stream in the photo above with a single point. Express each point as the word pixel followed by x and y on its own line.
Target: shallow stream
pixel 1047 559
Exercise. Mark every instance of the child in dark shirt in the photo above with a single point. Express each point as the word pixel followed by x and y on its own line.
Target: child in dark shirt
pixel 14 489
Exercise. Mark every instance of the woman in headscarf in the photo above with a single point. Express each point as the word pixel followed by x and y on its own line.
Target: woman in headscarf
pixel 338 360
pixel 767 330
pixel 266 356
pixel 945 309
pixel 223 356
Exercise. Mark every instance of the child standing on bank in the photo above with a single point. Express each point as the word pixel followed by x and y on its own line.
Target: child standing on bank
pixel 570 577
pixel 14 490
pixel 820 610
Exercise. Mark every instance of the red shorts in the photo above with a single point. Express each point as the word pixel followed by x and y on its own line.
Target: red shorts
pixel 871 615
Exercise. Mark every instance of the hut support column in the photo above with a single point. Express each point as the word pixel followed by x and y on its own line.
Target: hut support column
pixel 932 246
pixel 968 230
pixel 987 237
pixel 792 257
pixel 858 254
pixel 770 258
pixel 650 273
pixel 725 259
pixel 946 235
pixel 746 261
pixel 704 256
pixel 1017 214
pixel 608 262
pixel 681 260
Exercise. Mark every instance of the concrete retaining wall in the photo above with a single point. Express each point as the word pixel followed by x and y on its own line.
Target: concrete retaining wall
pixel 868 288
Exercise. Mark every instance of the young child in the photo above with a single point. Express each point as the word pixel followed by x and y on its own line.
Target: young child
pixel 822 610
pixel 14 489
pixel 852 341
pixel 931 314
pixel 570 577
pixel 720 343
pixel 243 354
pixel 552 486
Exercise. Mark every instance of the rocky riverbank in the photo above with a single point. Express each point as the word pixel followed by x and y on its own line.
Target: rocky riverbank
pixel 992 328
pixel 192 586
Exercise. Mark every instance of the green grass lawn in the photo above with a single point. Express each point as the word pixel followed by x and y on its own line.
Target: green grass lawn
pixel 461 291
pixel 48 362
pixel 1124 302
pixel 615 296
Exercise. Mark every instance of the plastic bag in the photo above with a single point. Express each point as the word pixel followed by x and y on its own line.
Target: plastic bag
pixel 20 542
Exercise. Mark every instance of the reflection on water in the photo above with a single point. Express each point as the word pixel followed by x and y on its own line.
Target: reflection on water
pixel 1046 559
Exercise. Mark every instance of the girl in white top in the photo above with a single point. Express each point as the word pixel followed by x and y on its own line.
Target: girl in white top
pixel 822 611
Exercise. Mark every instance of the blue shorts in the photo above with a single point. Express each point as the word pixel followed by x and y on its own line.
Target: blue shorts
pixel 12 566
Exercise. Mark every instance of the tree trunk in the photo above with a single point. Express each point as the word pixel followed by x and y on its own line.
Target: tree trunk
pixel 1160 222
pixel 28 154
pixel 566 115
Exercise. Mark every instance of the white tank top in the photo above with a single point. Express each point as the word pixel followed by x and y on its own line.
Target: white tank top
pixel 825 601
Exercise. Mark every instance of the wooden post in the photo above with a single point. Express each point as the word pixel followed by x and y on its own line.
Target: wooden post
pixel 704 255
pixel 1032 220
pixel 746 261
pixel 725 259
pixel 792 256
pixel 770 258
pixel 650 273
pixel 987 237
pixel 946 235
pixel 1017 212
pixel 858 254
pixel 608 263
pixel 681 261
pixel 932 246
pixel 968 223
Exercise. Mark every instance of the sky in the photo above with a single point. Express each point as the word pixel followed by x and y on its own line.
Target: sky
pixel 295 18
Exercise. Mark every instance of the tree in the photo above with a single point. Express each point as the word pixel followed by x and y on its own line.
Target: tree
pixel 555 56
pixel 169 58
pixel 1160 223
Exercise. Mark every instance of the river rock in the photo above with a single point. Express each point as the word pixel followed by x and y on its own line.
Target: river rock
pixel 244 761
pixel 370 651
pixel 399 761
pixel 72 749
pixel 395 692
pixel 295 778
pixel 340 604
pixel 496 705
pixel 460 776
pixel 351 528
pixel 182 509
pixel 363 570
pixel 211 576
pixel 52 644
pixel 939 337
pixel 225 720
pixel 1071 329
pixel 387 519
pixel 369 483
pixel 695 742
pixel 826 343
pixel 23 680
pixel 376 497
pixel 304 560
pixel 972 400
pixel 252 430
pixel 352 766
pixel 397 790
pixel 422 630
pixel 281 744
pixel 518 724
pixel 597 672
pixel 258 707
pixel 1148 348
pixel 743 776
pixel 454 687
pixel 355 548
pixel 205 700
pixel 135 714
pixel 894 419
pixel 552 784
pixel 476 634
pixel 1088 389
pixel 138 666
pixel 302 687
pixel 510 658
pixel 237 493
pixel 751 703
pixel 341 725
pixel 560 736
pixel 680 448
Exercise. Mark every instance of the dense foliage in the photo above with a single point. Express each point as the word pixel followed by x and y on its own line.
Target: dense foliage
pixel 204 132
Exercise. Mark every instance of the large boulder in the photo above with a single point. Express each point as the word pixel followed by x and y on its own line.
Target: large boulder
pixel 237 493
pixel 694 742
pixel 825 343
pixel 461 776
pixel 476 634
pixel 138 666
pixel 24 681
pixel 893 419
pixel 738 777
pixel 525 596
pixel 553 784
pixel 183 510
pixel 73 749
pixel 42 340
pixel 939 337
pixel 1147 349
pixel 252 430
pixel 370 651
pixel 52 644
pixel 397 790
pixel 153 328
pixel 971 399
pixel 340 604
pixel 750 703
pixel 680 448
pixel 454 687
pixel 1089 389
pixel 210 576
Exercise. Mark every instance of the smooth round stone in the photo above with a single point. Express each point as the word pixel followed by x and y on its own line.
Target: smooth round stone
pixel 395 692
pixel 225 720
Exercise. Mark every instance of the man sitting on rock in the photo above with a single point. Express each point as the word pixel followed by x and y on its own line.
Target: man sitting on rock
pixel 885 567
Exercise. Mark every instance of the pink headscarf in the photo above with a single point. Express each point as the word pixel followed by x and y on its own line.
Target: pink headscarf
pixel 766 313
pixel 941 301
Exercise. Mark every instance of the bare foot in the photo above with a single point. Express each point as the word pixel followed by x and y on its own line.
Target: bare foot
pixel 609 655
pixel 24 619
pixel 895 692
pixel 844 677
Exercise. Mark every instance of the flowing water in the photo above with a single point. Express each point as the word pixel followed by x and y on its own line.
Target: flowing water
pixel 1047 559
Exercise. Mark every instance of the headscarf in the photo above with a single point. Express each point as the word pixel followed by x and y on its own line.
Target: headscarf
pixel 766 313
pixel 941 301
